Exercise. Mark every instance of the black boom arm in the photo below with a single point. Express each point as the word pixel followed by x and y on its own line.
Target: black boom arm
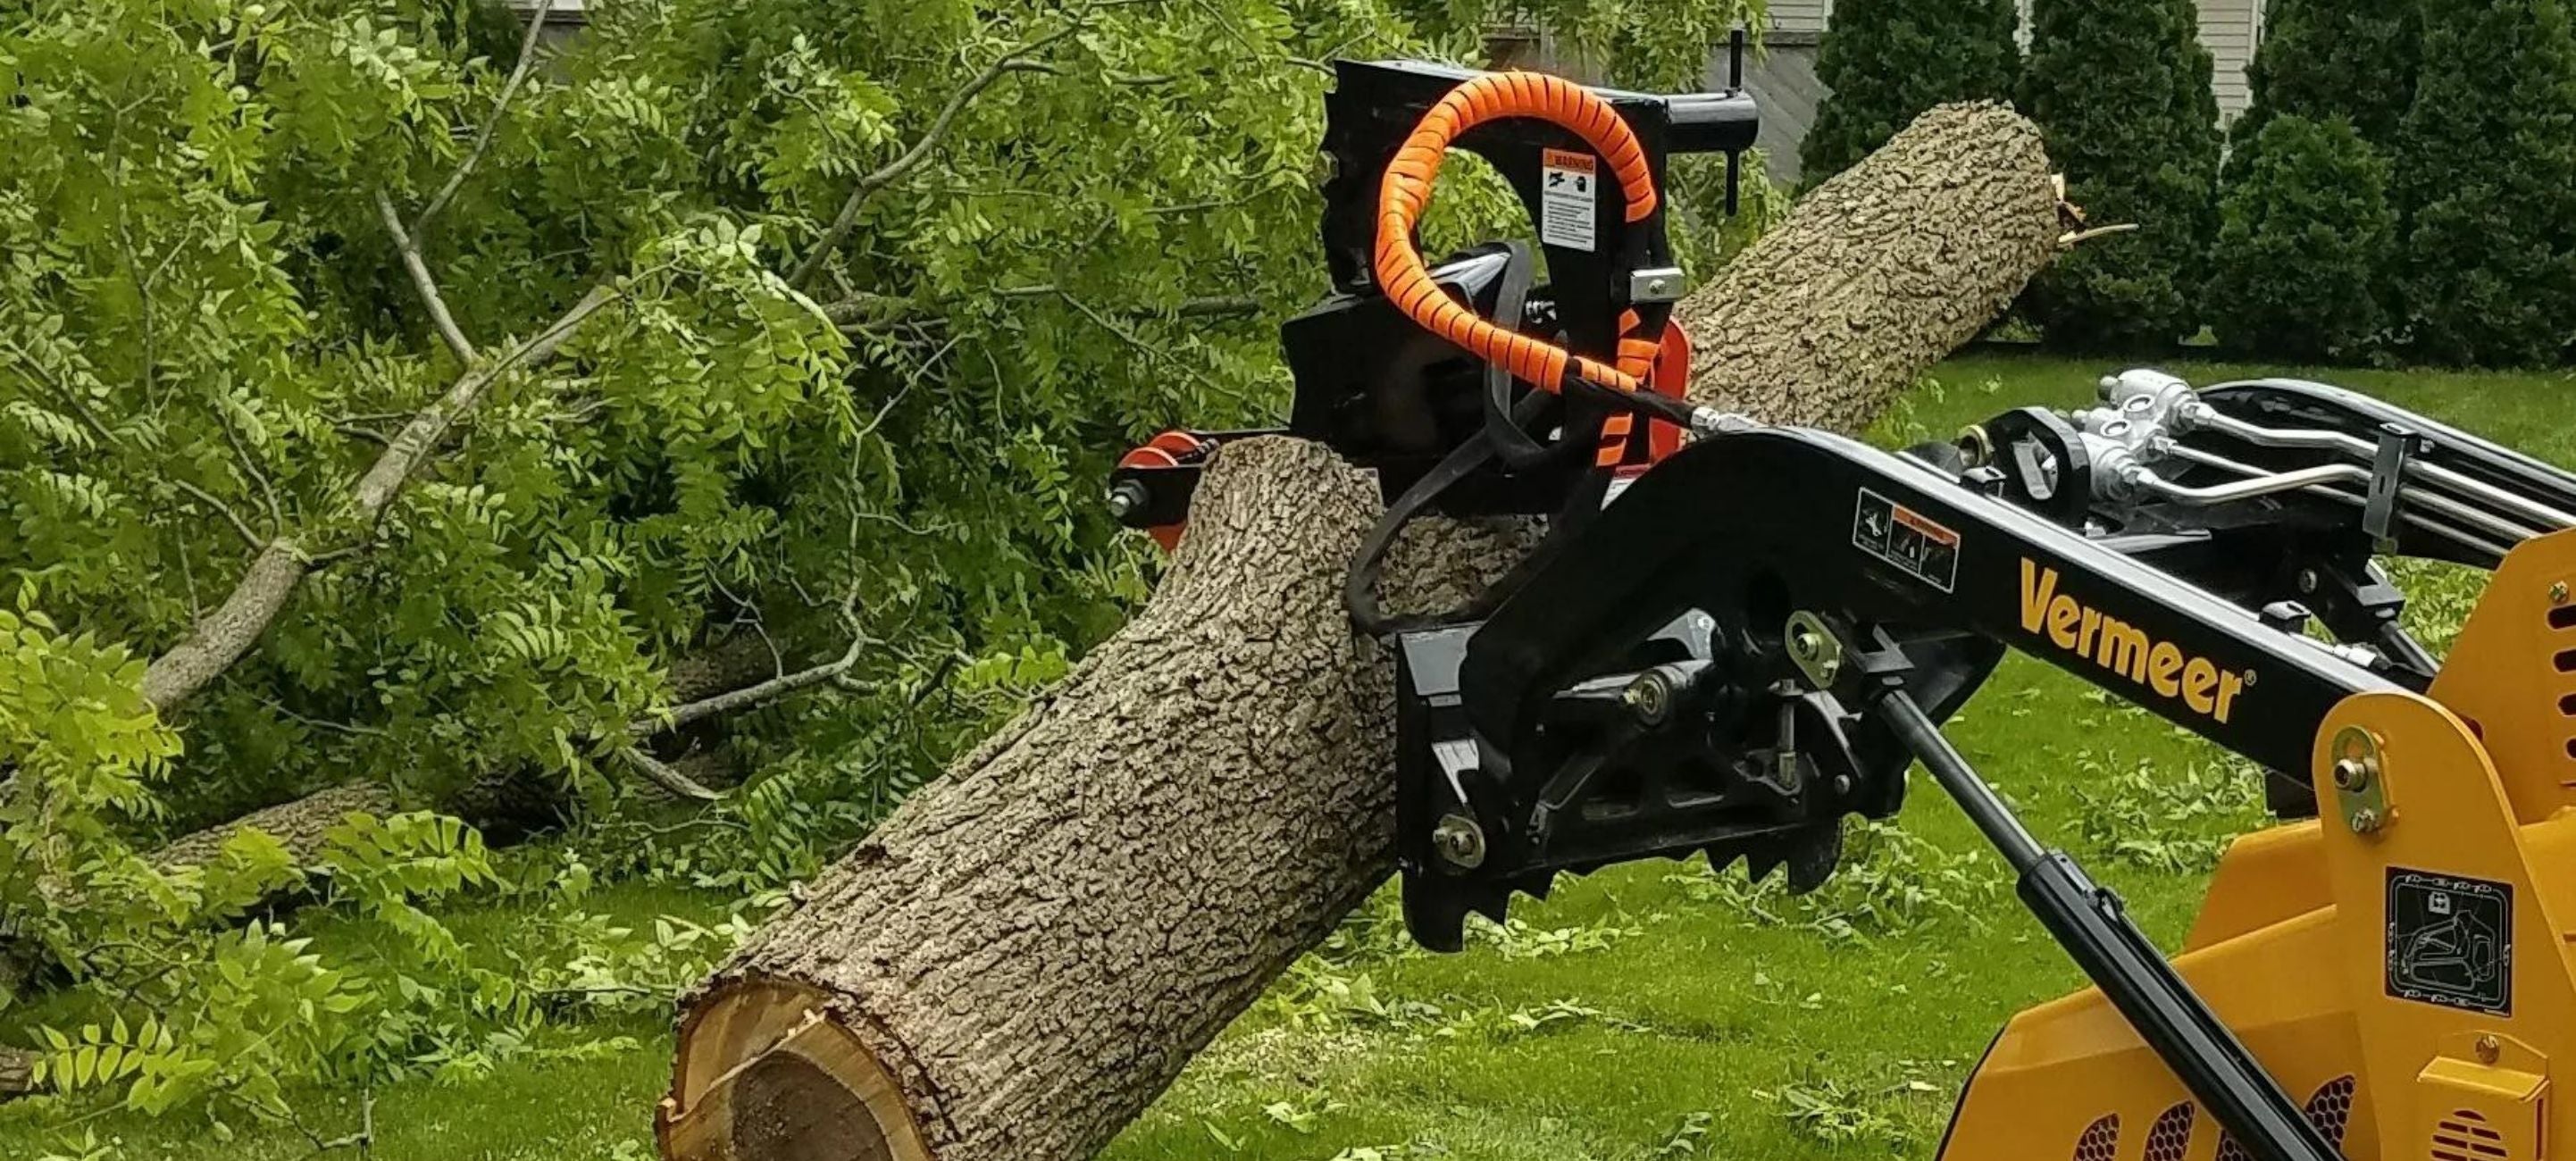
pixel 1883 540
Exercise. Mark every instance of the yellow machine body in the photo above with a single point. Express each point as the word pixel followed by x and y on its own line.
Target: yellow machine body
pixel 2402 963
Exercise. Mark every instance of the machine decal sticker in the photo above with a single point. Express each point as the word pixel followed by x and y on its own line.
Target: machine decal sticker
pixel 1921 547
pixel 1569 191
pixel 2164 667
pixel 2450 941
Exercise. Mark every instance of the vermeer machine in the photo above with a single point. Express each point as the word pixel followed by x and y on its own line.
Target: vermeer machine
pixel 1735 635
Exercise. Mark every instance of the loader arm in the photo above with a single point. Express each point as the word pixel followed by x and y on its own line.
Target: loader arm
pixel 1734 644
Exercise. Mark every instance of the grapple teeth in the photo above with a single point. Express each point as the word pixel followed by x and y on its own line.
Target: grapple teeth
pixel 1813 857
pixel 1436 920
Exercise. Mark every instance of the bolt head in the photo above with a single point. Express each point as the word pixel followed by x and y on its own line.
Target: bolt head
pixel 1126 498
pixel 2366 821
pixel 1649 697
pixel 2558 593
pixel 2308 581
pixel 2489 1049
pixel 1459 842
pixel 2351 774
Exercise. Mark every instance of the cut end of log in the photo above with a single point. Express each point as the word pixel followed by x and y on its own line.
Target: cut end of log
pixel 765 1071
pixel 1020 959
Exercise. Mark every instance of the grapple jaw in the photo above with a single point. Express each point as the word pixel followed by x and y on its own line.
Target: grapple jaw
pixel 1705 735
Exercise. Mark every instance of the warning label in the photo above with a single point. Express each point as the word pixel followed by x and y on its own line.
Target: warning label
pixel 1570 186
pixel 2450 941
pixel 1922 547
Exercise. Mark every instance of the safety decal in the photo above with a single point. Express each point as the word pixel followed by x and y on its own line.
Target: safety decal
pixel 1917 545
pixel 2450 941
pixel 1569 189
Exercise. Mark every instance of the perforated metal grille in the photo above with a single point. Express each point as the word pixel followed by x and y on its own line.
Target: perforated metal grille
pixel 2330 1110
pixel 2170 1137
pixel 2465 1136
pixel 2101 1140
pixel 2562 618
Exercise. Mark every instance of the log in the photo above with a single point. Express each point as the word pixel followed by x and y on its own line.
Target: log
pixel 1021 958
pixel 1878 273
pixel 298 826
pixel 17 1073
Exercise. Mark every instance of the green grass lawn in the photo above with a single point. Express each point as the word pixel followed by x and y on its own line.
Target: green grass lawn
pixel 1653 1011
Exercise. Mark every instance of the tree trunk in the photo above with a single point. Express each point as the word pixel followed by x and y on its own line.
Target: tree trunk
pixel 1026 953
pixel 1878 273
pixel 299 825
pixel 17 1073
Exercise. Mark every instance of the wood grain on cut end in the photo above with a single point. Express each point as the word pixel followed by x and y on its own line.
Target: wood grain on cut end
pixel 1031 948
pixel 788 1107
pixel 766 1073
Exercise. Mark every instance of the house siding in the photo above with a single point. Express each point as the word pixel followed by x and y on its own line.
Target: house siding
pixel 1806 16
pixel 1784 75
pixel 1784 81
pixel 2231 29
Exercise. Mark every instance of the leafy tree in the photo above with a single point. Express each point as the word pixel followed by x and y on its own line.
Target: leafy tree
pixel 380 401
pixel 2486 186
pixel 2323 59
pixel 1886 61
pixel 2303 267
pixel 2305 233
pixel 2123 93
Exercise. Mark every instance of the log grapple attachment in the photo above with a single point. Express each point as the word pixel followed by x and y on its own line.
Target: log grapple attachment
pixel 1732 645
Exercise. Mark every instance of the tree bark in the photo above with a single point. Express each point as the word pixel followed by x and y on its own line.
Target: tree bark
pixel 17 1073
pixel 1878 273
pixel 222 637
pixel 298 825
pixel 1020 959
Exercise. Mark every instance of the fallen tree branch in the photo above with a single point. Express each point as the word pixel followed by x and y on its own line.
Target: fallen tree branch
pixel 18 1073
pixel 492 124
pixel 440 318
pixel 865 312
pixel 222 637
pixel 299 826
pixel 1019 960
pixel 662 774
pixel 751 697
pixel 2074 238
pixel 254 539
pixel 911 159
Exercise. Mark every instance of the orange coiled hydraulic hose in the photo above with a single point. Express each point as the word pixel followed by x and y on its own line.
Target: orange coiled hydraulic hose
pixel 1406 191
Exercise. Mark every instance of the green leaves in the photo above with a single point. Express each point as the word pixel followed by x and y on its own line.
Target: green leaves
pixel 1884 62
pixel 343 86
pixel 2485 186
pixel 2123 93
pixel 208 336
pixel 2305 239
